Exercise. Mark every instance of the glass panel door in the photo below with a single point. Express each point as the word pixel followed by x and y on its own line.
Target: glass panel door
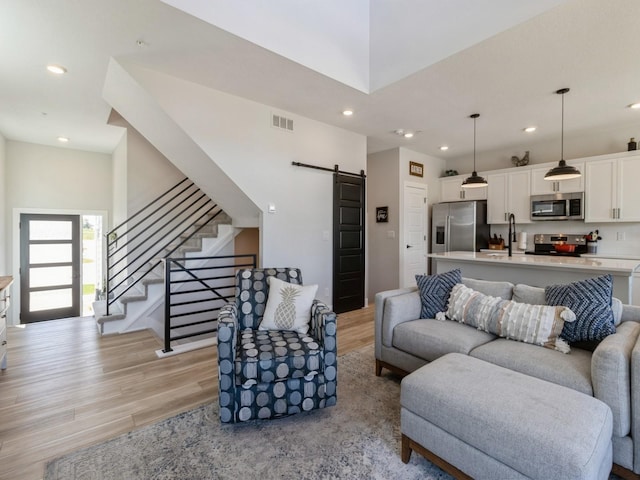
pixel 49 267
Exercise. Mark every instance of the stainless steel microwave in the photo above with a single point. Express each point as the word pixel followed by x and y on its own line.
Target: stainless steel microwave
pixel 558 206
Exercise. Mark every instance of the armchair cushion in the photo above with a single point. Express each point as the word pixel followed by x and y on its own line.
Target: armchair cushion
pixel 266 357
pixel 288 306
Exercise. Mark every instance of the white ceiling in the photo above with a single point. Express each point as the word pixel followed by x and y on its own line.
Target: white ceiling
pixel 427 67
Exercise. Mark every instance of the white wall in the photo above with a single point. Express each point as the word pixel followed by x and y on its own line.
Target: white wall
pixel 386 174
pixel 51 180
pixel 46 177
pixel 148 172
pixel 4 214
pixel 237 136
pixel 383 189
pixel 119 183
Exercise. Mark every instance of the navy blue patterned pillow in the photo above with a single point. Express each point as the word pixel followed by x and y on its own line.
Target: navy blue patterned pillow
pixel 435 290
pixel 590 300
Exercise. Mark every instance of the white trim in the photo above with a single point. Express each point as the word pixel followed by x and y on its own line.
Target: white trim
pixel 14 317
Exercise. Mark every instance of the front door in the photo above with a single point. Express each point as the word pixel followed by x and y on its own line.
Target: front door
pixel 49 267
pixel 348 243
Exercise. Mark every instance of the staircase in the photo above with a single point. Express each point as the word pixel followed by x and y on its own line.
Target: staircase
pixel 181 223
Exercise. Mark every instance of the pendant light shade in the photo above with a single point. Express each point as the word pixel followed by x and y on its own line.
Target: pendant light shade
pixel 474 181
pixel 562 171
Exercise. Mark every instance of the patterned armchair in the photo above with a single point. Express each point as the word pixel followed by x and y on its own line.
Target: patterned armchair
pixel 268 374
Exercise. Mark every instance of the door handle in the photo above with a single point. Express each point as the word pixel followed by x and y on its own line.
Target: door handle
pixel 409 246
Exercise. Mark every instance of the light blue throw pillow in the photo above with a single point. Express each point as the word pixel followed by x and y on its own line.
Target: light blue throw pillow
pixel 435 290
pixel 590 300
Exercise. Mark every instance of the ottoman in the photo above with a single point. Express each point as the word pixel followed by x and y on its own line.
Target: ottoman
pixel 478 420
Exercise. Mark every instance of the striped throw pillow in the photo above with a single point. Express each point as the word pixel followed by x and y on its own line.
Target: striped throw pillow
pixel 534 324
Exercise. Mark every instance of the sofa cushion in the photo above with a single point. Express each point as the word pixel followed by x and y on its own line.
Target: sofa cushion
pixel 430 339
pixel 434 291
pixel 573 370
pixel 490 287
pixel 611 374
pixel 536 324
pixel 590 300
pixel 527 294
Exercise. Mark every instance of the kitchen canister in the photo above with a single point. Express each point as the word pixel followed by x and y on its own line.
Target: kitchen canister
pixel 632 145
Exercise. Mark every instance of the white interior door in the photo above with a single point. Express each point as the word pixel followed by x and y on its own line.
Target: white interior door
pixel 413 251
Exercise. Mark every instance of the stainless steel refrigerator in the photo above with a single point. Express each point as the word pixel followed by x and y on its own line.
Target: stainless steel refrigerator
pixel 459 226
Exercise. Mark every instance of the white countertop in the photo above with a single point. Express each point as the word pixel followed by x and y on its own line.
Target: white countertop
pixel 594 263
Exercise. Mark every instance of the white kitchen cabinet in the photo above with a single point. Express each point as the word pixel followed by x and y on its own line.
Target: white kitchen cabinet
pixel 540 186
pixel 611 190
pixel 451 190
pixel 507 193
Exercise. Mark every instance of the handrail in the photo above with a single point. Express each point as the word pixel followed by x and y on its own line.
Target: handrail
pixel 191 319
pixel 133 247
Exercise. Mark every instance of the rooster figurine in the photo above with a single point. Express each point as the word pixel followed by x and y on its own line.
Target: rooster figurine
pixel 520 162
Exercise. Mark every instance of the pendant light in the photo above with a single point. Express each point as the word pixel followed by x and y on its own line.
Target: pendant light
pixel 562 171
pixel 474 181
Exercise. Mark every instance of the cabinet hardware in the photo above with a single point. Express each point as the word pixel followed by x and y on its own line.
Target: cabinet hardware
pixel 4 342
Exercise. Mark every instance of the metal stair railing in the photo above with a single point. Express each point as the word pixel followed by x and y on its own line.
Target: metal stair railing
pixel 136 247
pixel 195 294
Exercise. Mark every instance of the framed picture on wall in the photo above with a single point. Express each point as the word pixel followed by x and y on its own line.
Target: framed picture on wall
pixel 416 169
pixel 382 214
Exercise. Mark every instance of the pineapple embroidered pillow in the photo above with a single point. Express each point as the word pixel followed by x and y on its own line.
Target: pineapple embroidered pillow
pixel 288 306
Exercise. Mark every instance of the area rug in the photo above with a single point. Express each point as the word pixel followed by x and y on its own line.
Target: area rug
pixel 357 438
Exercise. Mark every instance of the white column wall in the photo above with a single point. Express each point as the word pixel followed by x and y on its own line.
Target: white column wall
pixel 237 135
pixel 383 189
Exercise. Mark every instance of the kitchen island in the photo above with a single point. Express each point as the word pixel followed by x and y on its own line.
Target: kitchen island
pixel 541 270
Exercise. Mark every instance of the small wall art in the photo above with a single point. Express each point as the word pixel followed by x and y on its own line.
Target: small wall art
pixel 382 214
pixel 416 169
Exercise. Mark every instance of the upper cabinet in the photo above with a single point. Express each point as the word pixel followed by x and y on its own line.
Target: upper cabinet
pixel 540 186
pixel 507 193
pixel 611 191
pixel 451 190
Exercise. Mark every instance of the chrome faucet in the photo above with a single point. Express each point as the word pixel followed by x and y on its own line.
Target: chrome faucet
pixel 512 232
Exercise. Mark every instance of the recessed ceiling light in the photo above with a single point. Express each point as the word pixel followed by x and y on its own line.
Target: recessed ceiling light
pixel 530 129
pixel 57 69
pixel 408 134
pixel 347 113
pixel 63 139
pixel 634 105
pixel 444 148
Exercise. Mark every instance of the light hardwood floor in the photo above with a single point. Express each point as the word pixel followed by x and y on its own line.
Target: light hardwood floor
pixel 66 387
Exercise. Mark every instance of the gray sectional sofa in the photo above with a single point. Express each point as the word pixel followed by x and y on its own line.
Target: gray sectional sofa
pixel 608 371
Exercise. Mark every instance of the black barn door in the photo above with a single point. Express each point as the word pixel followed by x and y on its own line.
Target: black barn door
pixel 348 242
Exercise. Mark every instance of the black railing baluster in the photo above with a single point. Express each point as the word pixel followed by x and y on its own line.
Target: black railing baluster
pixel 147 234
pixel 207 294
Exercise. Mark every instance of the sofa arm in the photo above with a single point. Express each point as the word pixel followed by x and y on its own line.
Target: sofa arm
pixel 611 374
pixel 323 327
pixel 635 404
pixel 227 342
pixel 385 322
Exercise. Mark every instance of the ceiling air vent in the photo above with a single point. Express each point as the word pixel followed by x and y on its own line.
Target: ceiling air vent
pixel 282 122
